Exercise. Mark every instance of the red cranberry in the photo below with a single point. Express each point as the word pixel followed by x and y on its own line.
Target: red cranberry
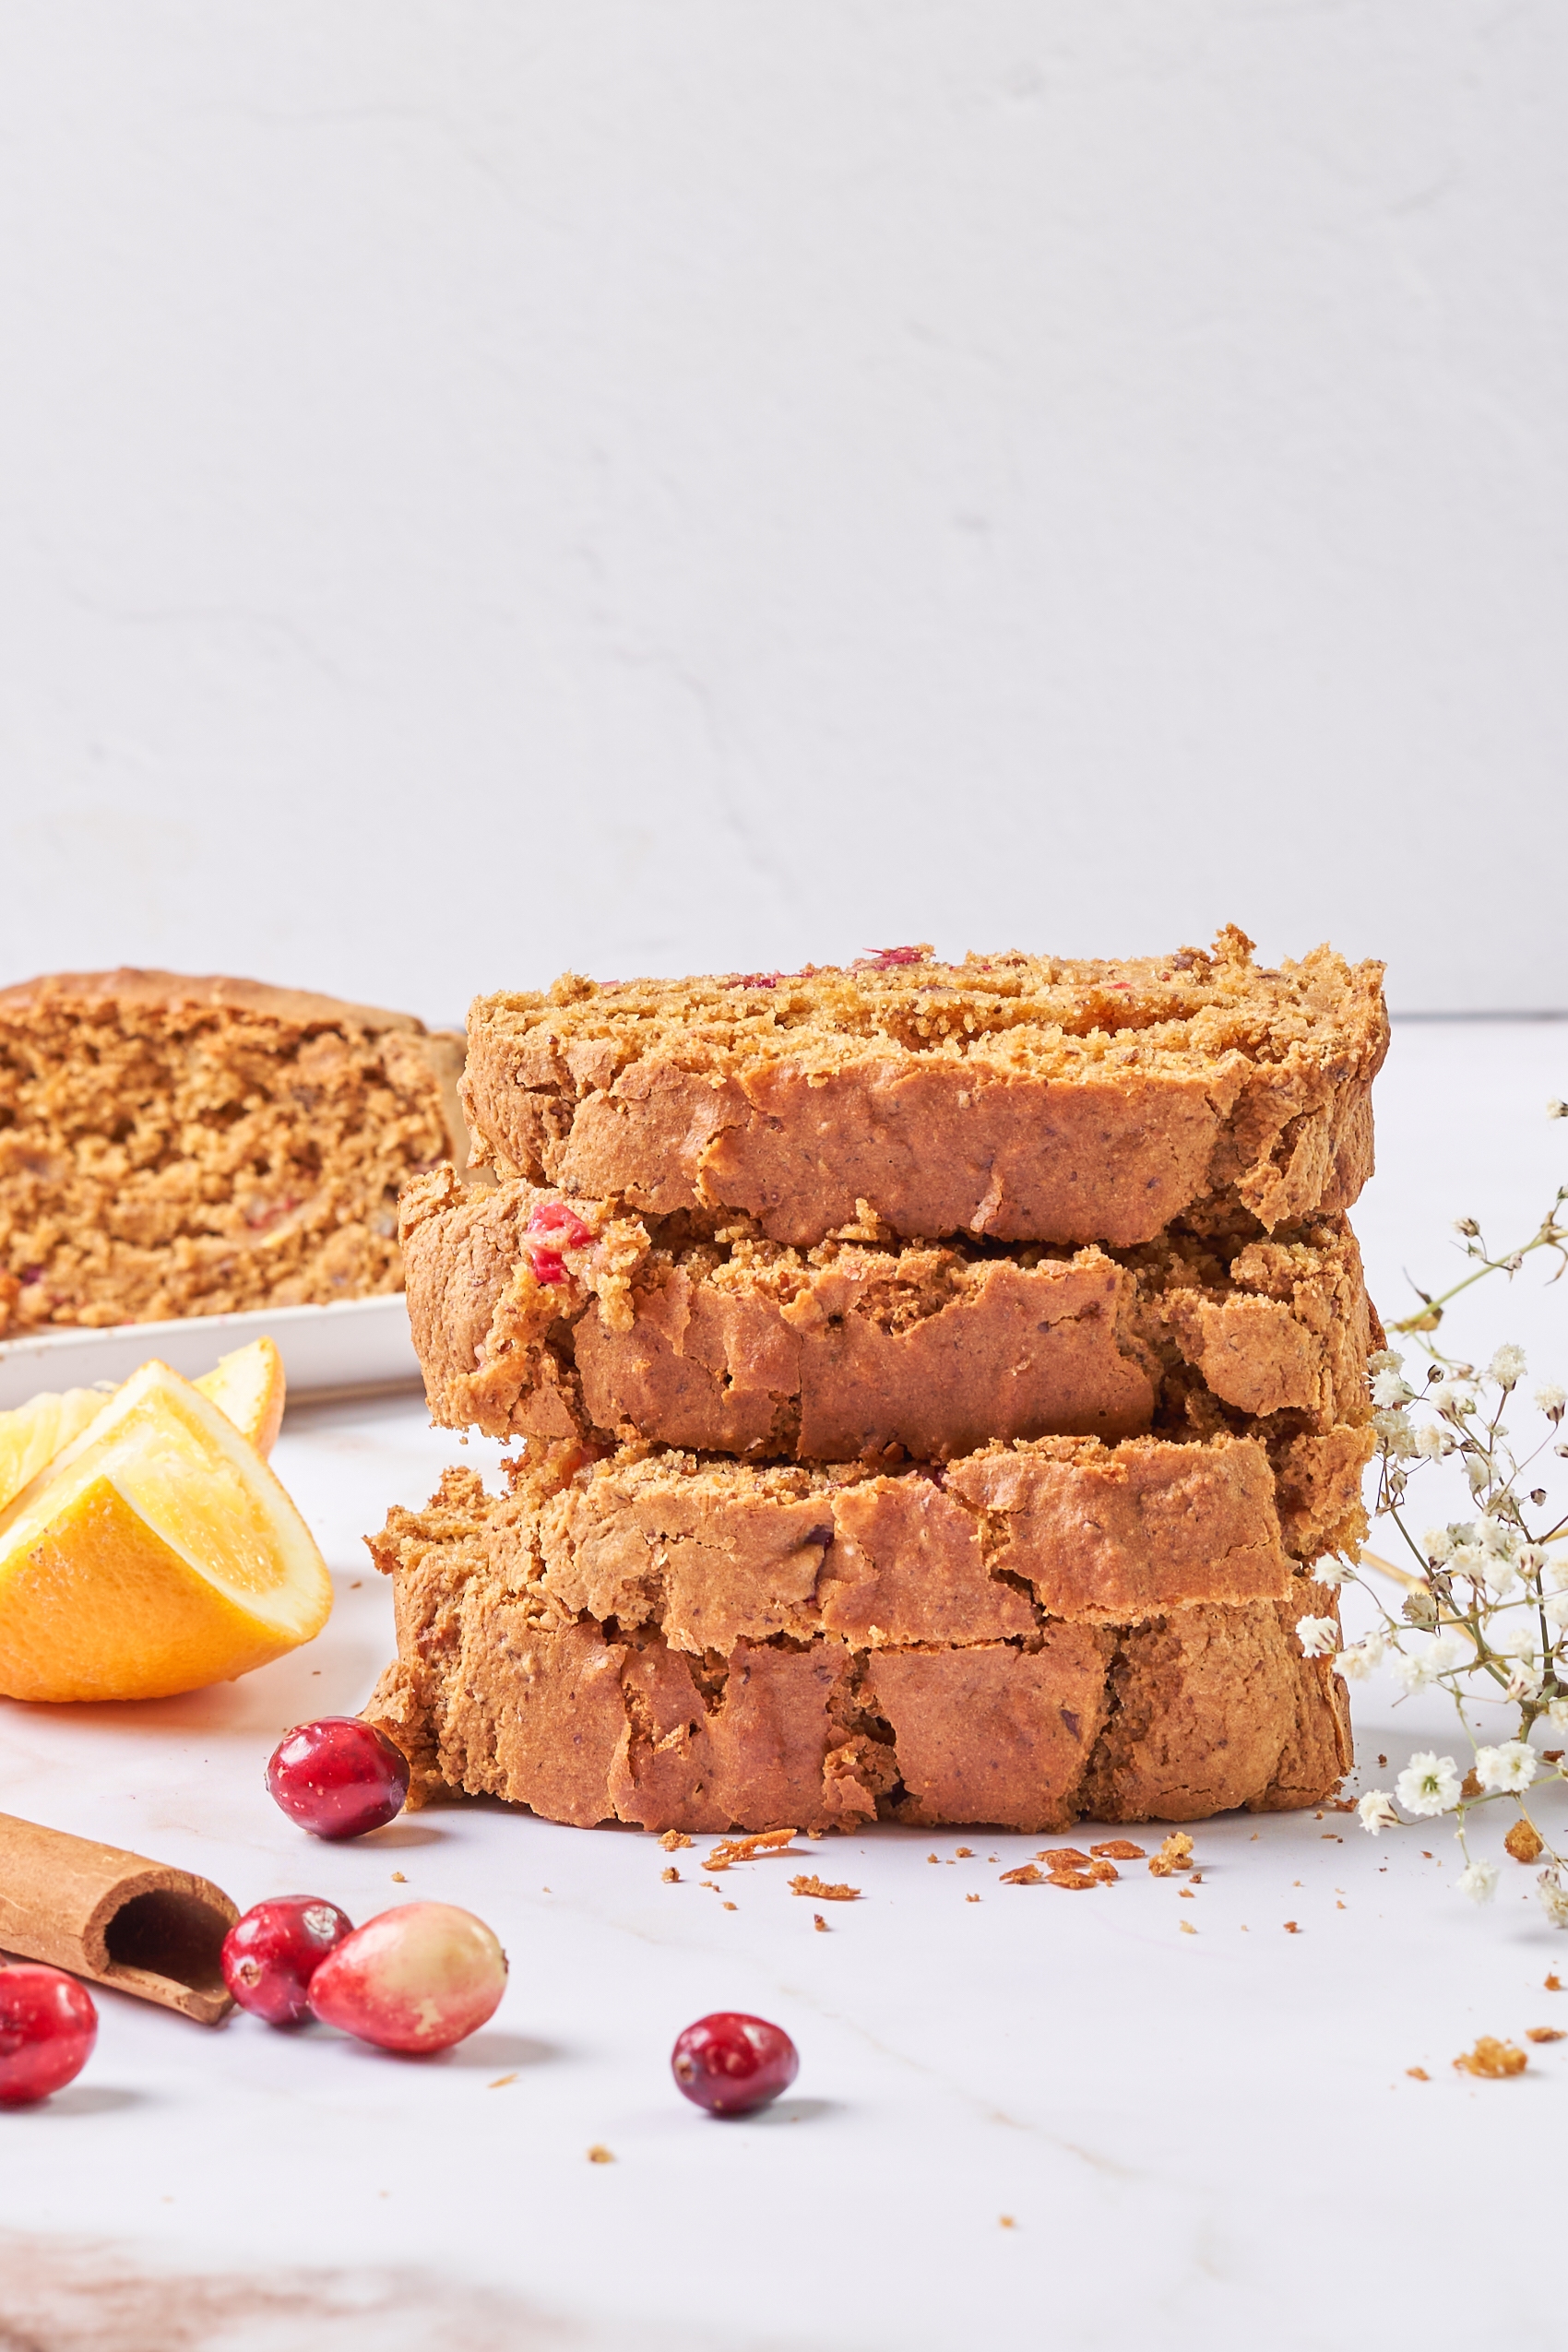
pixel 48 2025
pixel 555 1219
pixel 270 1955
pixel 338 1777
pixel 416 1978
pixel 731 2063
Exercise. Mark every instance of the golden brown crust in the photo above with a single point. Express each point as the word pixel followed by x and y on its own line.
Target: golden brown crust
pixel 177 1147
pixel 502 1688
pixel 1017 1097
pixel 862 1348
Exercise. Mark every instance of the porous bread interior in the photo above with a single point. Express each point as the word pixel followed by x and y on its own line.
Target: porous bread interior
pixel 1031 1015
pixel 181 1146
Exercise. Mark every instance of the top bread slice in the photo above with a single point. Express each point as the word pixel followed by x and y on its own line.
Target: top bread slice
pixel 1017 1097
pixel 171 1145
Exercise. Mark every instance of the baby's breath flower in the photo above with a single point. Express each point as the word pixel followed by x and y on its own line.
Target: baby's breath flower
pixel 1376 1809
pixel 1358 1662
pixel 1557 1714
pixel 1438 1542
pixel 1555 1110
pixel 1332 1572
pixel 1554 1574
pixel 1508 1366
pixel 1510 1767
pixel 1433 1441
pixel 1391 1388
pixel 1555 1611
pixel 1551 1398
pixel 1318 1635
pixel 1479 1880
pixel 1413 1670
pixel 1451 1397
pixel 1428 1784
pixel 1553 1897
pixel 1524 1683
pixel 1385 1360
pixel 1395 1434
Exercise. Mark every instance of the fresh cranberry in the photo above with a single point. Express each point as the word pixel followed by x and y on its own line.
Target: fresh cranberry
pixel 338 1777
pixel 48 2025
pixel 555 1218
pixel 731 2063
pixel 416 1978
pixel 270 1955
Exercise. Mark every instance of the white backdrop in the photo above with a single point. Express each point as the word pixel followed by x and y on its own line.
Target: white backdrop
pixel 493 484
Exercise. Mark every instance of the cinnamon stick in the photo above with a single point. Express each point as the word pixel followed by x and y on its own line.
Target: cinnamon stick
pixel 114 1917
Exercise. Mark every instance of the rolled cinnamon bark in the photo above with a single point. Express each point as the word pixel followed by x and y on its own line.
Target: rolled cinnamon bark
pixel 115 1918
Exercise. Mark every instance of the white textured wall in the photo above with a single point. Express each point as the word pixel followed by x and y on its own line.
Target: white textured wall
pixel 652 483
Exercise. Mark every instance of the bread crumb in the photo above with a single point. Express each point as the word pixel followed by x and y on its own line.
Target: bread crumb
pixel 1006 2221
pixel 501 2082
pixel 820 1924
pixel 1118 1850
pixel 813 1833
pixel 806 1885
pixel 1075 1880
pixel 397 1879
pixel 1176 1854
pixel 1524 1841
pixel 971 1898
pixel 1066 1858
pixel 932 1857
pixel 1026 1874
pixel 1492 2059
pixel 1104 1873
pixel 1339 1906
pixel 963 1853
pixel 1418 2073
pixel 1546 2033
pixel 672 1877
pixel 709 1886
pixel 355 1586
pixel 1383 1760
pixel 597 2154
pixel 747 1849
pixel 1292 1928
pixel 1554 1983
pixel 1187 1894
pixel 674 1838
pixel 729 1906
pixel 1197 1879
pixel 1186 1926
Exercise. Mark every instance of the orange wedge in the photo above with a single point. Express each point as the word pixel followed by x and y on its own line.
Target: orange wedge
pixel 156 1553
pixel 248 1387
pixel 31 1434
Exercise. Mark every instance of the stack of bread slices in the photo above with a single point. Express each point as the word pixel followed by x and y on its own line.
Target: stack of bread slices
pixel 935 1385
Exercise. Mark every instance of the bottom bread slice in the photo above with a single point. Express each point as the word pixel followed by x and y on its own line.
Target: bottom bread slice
pixel 498 1689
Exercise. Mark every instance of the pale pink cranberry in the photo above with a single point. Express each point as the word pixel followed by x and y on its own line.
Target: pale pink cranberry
pixel 48 2026
pixel 883 957
pixel 417 1978
pixel 731 2063
pixel 270 1955
pixel 562 1225
pixel 339 1777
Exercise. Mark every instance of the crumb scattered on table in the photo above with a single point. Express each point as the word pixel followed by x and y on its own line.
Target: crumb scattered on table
pixel 1525 1842
pixel 820 1924
pixel 964 1853
pixel 1176 1854
pixel 1118 1850
pixel 1418 2073
pixel 971 1898
pixel 1492 2059
pixel 1026 1874
pixel 1553 1982
pixel 1186 1926
pixel 672 1877
pixel 747 1849
pixel 807 1884
pixel 1545 2034
pixel 501 2082
pixel 397 1879
pixel 674 1838
pixel 1006 2221
pixel 598 2154
pixel 1292 1928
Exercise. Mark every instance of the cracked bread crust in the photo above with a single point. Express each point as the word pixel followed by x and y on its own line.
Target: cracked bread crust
pixel 1018 1098
pixel 862 1348
pixel 501 1688
pixel 183 1147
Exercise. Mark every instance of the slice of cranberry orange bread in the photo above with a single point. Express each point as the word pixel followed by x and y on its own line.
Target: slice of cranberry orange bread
pixel 603 1645
pixel 533 1315
pixel 1018 1098
pixel 178 1147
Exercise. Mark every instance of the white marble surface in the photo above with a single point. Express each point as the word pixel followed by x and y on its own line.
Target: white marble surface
pixel 1202 2140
